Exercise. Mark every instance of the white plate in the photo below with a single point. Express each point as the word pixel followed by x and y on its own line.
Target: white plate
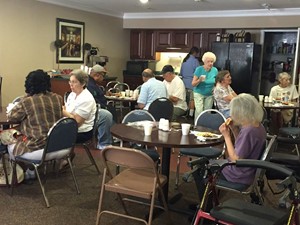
pixel 202 135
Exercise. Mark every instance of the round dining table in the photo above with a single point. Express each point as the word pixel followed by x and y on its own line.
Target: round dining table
pixel 165 139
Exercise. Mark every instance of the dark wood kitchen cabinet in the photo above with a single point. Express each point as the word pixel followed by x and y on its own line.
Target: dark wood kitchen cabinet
pixel 142 45
pixel 145 44
pixel 172 39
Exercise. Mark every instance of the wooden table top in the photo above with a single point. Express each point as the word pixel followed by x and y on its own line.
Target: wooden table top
pixel 159 138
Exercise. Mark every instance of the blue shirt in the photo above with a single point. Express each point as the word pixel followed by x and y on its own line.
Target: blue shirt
pixel 151 90
pixel 205 88
pixel 187 71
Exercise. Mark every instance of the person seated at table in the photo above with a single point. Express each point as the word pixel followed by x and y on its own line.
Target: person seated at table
pixel 151 90
pixel 250 137
pixel 176 91
pixel 287 90
pixel 223 93
pixel 80 106
pixel 35 113
pixel 105 117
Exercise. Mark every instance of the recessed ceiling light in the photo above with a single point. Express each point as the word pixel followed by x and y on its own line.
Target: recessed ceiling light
pixel 144 1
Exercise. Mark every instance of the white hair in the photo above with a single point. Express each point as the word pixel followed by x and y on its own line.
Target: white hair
pixel 245 108
pixel 209 55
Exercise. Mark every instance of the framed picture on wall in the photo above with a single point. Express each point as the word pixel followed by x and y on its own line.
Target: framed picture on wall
pixel 71 34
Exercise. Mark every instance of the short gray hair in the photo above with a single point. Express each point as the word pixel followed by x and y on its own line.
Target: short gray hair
pixel 284 75
pixel 81 76
pixel 209 55
pixel 245 108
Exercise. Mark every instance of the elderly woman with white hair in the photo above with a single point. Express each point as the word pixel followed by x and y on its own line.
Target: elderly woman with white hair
pixel 250 137
pixel 286 92
pixel 203 83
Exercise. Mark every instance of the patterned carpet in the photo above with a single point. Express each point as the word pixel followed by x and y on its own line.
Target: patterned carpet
pixel 27 205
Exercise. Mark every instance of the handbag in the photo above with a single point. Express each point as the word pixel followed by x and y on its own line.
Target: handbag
pixel 19 170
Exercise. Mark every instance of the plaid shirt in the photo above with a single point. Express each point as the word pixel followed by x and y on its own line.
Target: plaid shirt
pixel 36 115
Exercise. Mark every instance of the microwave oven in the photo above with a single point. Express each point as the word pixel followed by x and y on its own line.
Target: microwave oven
pixel 137 67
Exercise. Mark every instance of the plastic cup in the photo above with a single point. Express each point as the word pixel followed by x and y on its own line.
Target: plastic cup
pixel 127 93
pixel 185 128
pixel 261 98
pixel 123 94
pixel 203 77
pixel 147 129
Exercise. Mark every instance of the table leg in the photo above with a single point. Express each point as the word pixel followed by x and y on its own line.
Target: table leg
pixel 165 168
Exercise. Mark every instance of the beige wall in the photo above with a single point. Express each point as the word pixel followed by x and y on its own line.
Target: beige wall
pixel 28 30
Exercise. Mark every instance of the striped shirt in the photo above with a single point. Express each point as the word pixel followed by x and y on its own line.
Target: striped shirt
pixel 36 115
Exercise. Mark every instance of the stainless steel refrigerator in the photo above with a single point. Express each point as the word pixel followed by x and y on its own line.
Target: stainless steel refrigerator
pixel 243 61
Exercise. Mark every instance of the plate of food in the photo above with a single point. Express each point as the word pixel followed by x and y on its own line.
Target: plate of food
pixel 206 135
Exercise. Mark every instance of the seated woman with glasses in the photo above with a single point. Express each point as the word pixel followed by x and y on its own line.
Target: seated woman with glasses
pixel 81 105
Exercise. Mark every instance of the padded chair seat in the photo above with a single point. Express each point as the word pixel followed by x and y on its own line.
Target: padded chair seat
pixel 3 148
pixel 290 131
pixel 239 212
pixel 208 152
pixel 233 185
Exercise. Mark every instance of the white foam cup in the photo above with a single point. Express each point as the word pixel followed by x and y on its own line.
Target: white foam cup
pixel 147 129
pixel 185 128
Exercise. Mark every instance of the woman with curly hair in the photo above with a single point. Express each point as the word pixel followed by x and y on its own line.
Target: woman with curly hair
pixel 36 113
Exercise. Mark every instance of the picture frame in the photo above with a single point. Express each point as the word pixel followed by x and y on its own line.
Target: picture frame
pixel 71 34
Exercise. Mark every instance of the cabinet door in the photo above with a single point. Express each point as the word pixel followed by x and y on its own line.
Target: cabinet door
pixel 164 38
pixel 180 39
pixel 209 38
pixel 149 45
pixel 136 44
pixel 196 39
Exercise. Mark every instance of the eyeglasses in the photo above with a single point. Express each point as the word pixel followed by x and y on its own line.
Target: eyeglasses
pixel 73 82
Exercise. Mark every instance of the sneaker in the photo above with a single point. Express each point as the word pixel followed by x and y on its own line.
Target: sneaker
pixel 29 175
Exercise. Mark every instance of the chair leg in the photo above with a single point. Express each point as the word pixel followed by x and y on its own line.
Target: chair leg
pixel 42 187
pixel 73 175
pixel 13 176
pixel 88 152
pixel 5 170
pixel 101 197
pixel 177 171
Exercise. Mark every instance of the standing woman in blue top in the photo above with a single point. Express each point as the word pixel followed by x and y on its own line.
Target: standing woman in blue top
pixel 203 83
pixel 187 70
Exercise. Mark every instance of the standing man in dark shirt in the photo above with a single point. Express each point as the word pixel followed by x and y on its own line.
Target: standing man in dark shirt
pixel 105 118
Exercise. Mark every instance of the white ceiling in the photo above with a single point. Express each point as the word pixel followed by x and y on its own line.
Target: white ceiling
pixel 159 8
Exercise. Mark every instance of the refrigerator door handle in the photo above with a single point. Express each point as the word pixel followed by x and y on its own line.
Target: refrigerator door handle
pixel 227 64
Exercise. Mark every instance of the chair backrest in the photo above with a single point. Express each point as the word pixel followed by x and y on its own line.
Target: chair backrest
pixel 66 95
pixel 122 86
pixel 62 135
pixel 210 118
pixel 139 88
pixel 266 155
pixel 127 157
pixel 137 115
pixel 161 108
pixel 111 84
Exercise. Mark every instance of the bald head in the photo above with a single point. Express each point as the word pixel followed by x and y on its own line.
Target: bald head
pixel 147 73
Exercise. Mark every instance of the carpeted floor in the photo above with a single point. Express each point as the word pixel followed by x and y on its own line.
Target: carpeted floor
pixel 27 205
